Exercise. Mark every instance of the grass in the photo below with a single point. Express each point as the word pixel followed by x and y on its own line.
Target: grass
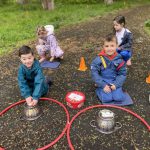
pixel 147 26
pixel 18 23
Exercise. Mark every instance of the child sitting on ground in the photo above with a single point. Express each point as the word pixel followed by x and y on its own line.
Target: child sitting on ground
pixel 109 72
pixel 124 37
pixel 40 47
pixel 48 43
pixel 31 80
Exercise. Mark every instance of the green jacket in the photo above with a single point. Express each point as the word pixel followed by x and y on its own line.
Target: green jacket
pixel 32 81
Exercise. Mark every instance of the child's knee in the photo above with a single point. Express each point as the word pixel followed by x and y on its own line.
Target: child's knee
pixel 118 98
pixel 104 97
pixel 118 95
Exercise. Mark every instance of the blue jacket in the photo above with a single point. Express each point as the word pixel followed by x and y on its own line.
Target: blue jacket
pixel 109 75
pixel 32 81
pixel 127 40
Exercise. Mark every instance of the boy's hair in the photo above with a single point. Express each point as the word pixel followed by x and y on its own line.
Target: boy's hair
pixel 25 50
pixel 110 37
pixel 120 20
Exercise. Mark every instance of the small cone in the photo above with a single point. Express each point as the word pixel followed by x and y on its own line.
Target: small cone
pixel 148 79
pixel 82 66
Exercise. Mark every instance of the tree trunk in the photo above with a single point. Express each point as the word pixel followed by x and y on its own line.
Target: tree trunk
pixel 48 4
pixel 108 2
pixel 22 1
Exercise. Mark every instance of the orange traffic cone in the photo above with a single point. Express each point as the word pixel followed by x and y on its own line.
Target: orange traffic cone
pixel 82 66
pixel 148 79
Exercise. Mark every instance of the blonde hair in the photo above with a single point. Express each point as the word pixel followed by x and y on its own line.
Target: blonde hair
pixel 41 31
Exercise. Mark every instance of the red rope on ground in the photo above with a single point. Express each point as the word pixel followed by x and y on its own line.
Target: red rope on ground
pixel 43 99
pixel 96 106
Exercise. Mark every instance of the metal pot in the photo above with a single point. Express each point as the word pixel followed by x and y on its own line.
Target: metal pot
pixel 105 122
pixel 31 112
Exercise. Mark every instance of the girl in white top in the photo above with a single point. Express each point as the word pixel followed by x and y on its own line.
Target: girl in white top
pixel 124 37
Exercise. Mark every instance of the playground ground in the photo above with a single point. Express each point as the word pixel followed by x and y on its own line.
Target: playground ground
pixel 81 40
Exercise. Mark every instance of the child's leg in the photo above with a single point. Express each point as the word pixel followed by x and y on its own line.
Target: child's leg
pixel 104 97
pixel 52 54
pixel 58 53
pixel 40 49
pixel 48 80
pixel 129 62
pixel 118 94
pixel 47 55
pixel 41 52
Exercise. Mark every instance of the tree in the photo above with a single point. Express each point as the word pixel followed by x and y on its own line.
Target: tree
pixel 108 2
pixel 22 1
pixel 48 4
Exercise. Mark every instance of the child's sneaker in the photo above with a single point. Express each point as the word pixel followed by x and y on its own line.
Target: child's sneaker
pixel 48 81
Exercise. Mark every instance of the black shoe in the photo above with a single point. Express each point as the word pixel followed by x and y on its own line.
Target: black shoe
pixel 48 81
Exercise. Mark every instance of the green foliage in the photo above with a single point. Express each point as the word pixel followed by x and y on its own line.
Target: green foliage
pixel 79 1
pixel 147 23
pixel 147 26
pixel 2 2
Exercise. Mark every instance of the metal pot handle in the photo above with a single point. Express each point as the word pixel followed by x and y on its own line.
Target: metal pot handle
pixel 118 125
pixel 91 123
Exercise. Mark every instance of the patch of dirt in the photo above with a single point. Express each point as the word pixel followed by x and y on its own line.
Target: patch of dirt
pixel 81 40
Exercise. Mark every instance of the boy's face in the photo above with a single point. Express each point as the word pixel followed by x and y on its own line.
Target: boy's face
pixel 27 60
pixel 117 26
pixel 110 47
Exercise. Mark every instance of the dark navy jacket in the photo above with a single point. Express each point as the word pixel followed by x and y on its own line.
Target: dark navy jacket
pixel 127 40
pixel 32 81
pixel 109 75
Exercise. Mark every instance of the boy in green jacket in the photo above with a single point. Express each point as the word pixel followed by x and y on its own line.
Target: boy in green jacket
pixel 31 80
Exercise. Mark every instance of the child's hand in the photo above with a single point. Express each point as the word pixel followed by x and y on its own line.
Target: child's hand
pixel 107 89
pixel 34 102
pixel 113 87
pixel 29 101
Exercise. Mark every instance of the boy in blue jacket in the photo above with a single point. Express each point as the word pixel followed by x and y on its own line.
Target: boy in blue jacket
pixel 109 72
pixel 31 80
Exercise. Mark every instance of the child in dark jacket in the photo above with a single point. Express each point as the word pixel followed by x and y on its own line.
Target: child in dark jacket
pixel 109 72
pixel 124 37
pixel 31 80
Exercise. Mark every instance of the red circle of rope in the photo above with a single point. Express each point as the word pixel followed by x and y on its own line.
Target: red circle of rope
pixel 96 106
pixel 43 99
